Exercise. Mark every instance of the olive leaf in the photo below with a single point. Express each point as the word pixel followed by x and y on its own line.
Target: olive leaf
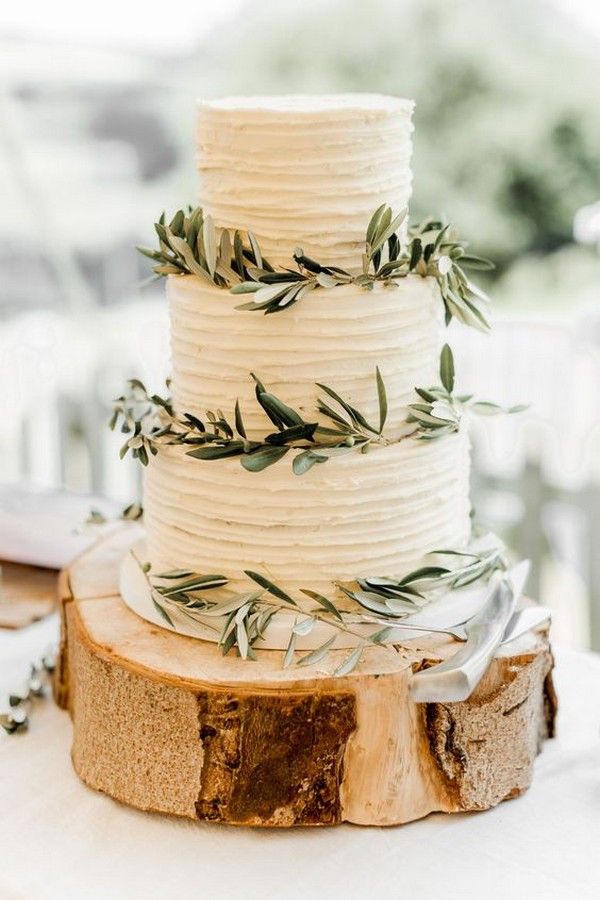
pixel 239 421
pixel 305 626
pixel 383 406
pixel 289 653
pixel 351 661
pixel 174 573
pixel 270 587
pixel 447 368
pixel 318 654
pixel 195 583
pixel 162 611
pixel 304 461
pixel 263 458
pixel 324 602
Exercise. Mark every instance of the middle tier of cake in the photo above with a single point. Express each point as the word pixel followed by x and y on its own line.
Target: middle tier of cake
pixel 376 513
pixel 359 514
pixel 336 337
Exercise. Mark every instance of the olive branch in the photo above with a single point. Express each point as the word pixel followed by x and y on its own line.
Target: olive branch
pixel 36 687
pixel 382 602
pixel 151 421
pixel 191 244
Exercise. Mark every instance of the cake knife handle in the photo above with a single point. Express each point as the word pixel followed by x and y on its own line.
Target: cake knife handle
pixel 456 679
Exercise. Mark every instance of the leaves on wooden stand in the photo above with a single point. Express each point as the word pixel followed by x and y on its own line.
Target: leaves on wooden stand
pixel 270 587
pixel 351 661
pixel 242 619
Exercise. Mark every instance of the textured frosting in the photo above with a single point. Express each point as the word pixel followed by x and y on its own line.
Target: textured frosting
pixel 336 337
pixel 356 515
pixel 305 171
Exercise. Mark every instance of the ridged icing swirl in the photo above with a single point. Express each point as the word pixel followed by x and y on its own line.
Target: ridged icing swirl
pixel 335 336
pixel 305 171
pixel 374 514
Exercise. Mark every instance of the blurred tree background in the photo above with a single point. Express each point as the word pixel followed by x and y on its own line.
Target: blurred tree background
pixel 507 123
pixel 506 144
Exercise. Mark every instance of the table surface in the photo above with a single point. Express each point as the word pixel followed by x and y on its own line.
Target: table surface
pixel 60 839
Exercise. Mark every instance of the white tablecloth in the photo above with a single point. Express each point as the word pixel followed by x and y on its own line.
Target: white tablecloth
pixel 59 839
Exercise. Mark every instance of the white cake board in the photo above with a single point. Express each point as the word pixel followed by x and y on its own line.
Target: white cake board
pixel 445 611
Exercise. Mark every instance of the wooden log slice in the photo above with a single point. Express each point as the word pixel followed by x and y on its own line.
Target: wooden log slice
pixel 166 723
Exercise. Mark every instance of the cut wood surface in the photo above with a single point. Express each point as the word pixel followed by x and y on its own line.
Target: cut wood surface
pixel 27 594
pixel 166 723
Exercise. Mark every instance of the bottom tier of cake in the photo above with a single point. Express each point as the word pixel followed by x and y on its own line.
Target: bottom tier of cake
pixel 166 723
pixel 357 515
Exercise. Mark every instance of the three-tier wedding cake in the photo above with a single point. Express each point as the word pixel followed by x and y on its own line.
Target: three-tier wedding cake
pixel 307 172
pixel 286 644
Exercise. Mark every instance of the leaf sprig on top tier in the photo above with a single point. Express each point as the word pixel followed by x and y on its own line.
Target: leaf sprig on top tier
pixel 436 250
pixel 439 411
pixel 191 244
pixel 374 601
pixel 151 421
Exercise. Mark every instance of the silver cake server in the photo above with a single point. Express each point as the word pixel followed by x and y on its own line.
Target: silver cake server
pixel 456 678
pixel 524 620
pixel 521 621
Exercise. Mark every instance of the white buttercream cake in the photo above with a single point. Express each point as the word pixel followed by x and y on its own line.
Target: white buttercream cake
pixel 309 172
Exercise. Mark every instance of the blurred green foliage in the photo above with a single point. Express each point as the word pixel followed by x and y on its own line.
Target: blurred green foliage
pixel 507 121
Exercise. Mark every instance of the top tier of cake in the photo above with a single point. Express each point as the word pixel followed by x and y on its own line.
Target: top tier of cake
pixel 304 171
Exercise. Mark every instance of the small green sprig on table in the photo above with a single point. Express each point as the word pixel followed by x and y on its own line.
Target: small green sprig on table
pixel 131 513
pixel 375 601
pixel 150 421
pixel 36 687
pixel 190 244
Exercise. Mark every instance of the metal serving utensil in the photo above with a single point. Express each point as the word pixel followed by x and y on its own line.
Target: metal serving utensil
pixel 521 621
pixel 524 620
pixel 456 678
